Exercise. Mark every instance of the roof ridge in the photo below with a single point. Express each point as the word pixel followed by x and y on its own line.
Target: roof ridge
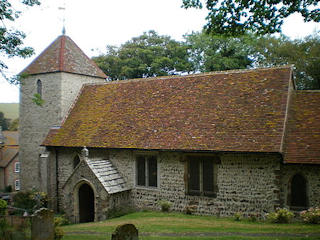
pixel 64 55
pixel 235 71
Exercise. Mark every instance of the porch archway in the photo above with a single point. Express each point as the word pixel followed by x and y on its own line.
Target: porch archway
pixel 86 203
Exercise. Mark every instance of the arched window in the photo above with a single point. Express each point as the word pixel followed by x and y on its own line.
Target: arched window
pixel 39 87
pixel 298 192
pixel 76 161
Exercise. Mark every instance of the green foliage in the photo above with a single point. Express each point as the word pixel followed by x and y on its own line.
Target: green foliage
pixel 237 17
pixel 61 220
pixel 281 215
pixel 8 189
pixel 30 200
pixel 14 125
pixel 237 216
pixel 217 53
pixel 58 233
pixel 312 215
pixel 304 54
pixel 4 122
pixel 165 205
pixel 11 40
pixel 4 229
pixel 3 207
pixel 37 99
pixel 148 55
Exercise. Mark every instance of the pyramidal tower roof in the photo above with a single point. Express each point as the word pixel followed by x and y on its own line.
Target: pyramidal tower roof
pixel 63 55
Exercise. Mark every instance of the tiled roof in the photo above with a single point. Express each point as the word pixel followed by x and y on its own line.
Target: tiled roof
pixel 63 55
pixel 108 175
pixel 302 141
pixel 7 155
pixel 223 111
pixel 11 137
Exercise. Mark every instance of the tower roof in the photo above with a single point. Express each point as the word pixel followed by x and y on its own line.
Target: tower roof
pixel 63 55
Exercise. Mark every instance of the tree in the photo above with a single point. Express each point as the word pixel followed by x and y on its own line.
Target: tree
pixel 14 125
pixel 11 40
pixel 304 54
pixel 237 17
pixel 4 122
pixel 148 55
pixel 218 53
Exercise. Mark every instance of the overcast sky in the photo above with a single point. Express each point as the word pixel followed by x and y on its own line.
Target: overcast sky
pixel 96 23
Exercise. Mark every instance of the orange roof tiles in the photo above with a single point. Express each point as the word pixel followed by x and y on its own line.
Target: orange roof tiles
pixel 63 55
pixel 302 139
pixel 10 149
pixel 227 111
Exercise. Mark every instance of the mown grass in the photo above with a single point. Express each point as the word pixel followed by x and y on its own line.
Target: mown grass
pixel 169 226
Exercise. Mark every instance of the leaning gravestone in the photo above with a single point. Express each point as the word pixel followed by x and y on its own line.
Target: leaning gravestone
pixel 125 232
pixel 42 226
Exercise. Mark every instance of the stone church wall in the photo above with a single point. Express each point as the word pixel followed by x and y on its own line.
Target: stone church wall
pixel 247 183
pixel 311 173
pixel 59 91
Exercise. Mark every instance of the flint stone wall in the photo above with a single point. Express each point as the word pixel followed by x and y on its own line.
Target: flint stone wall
pixel 59 90
pixel 311 173
pixel 247 183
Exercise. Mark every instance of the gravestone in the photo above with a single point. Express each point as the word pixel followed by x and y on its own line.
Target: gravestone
pixel 42 226
pixel 125 232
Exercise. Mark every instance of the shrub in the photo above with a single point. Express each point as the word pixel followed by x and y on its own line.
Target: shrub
pixel 58 233
pixel 237 216
pixel 165 205
pixel 3 207
pixel 30 200
pixel 61 220
pixel 312 215
pixel 281 215
pixel 252 217
pixel 8 189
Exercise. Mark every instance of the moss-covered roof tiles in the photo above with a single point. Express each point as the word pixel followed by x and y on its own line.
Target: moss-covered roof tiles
pixel 302 138
pixel 63 55
pixel 230 111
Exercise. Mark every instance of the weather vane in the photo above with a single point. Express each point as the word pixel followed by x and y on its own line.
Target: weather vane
pixel 63 9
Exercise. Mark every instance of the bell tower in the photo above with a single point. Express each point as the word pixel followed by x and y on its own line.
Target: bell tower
pixel 49 86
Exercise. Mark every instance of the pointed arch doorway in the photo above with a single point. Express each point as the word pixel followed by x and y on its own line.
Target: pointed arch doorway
pixel 298 192
pixel 86 203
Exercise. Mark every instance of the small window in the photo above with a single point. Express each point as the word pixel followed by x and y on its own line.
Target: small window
pixel 202 175
pixel 39 87
pixel 76 161
pixel 17 185
pixel 147 171
pixel 17 167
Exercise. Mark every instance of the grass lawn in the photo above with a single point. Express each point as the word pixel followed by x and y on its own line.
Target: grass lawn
pixel 170 226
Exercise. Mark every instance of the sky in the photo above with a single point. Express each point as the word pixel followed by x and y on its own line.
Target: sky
pixel 95 24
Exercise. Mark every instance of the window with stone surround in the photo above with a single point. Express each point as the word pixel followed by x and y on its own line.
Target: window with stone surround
pixel 17 167
pixel 146 171
pixel 17 185
pixel 202 175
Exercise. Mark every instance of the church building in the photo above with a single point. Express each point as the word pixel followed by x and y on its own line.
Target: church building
pixel 215 143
